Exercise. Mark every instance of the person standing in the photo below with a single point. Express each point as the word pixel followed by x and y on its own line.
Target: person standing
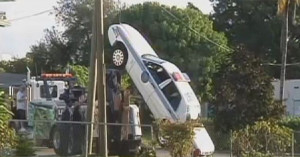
pixel 21 105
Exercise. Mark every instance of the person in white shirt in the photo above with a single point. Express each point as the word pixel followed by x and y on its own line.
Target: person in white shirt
pixel 21 105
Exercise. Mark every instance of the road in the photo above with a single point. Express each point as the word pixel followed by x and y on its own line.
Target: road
pixel 165 153
pixel 46 152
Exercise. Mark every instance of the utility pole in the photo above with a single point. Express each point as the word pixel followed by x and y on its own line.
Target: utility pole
pixel 92 86
pixel 101 77
pixel 283 49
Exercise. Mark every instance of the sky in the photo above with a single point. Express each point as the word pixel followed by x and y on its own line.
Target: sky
pixel 16 39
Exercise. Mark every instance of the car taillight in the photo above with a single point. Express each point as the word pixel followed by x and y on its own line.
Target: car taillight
pixel 177 76
pixel 197 153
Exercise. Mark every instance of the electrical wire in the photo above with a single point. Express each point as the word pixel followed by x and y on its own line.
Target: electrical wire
pixel 204 37
pixel 215 43
pixel 288 64
pixel 29 16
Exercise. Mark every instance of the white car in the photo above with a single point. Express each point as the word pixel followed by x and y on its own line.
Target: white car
pixel 163 86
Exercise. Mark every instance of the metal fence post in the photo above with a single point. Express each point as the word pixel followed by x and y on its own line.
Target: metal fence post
pixel 293 146
pixel 34 132
pixel 230 143
pixel 152 136
pixel 86 149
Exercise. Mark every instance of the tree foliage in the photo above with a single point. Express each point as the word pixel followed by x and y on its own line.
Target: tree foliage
pixel 17 65
pixel 175 40
pixel 243 92
pixel 7 135
pixel 73 45
pixel 82 74
pixel 256 25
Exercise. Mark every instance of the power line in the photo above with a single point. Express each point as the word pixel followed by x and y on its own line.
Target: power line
pixel 206 38
pixel 29 16
pixel 217 44
pixel 290 64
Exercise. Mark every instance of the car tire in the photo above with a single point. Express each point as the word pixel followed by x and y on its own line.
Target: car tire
pixel 119 56
pixel 160 139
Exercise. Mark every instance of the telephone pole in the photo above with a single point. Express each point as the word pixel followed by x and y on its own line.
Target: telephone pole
pixel 101 77
pixel 92 86
pixel 283 49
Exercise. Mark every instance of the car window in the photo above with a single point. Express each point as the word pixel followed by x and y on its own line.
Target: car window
pixel 157 72
pixel 165 83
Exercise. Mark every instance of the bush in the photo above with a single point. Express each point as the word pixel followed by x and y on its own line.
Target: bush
pixel 25 146
pixel 7 135
pixel 263 138
pixel 179 137
pixel 291 122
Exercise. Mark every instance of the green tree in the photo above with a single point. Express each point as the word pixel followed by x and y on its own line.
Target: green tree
pixel 17 65
pixel 73 45
pixel 257 26
pixel 175 40
pixel 243 92
pixel 82 74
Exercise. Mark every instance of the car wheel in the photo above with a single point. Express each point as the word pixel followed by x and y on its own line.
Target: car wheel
pixel 119 56
pixel 162 141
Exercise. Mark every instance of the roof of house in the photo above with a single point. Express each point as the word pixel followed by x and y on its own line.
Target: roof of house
pixel 8 79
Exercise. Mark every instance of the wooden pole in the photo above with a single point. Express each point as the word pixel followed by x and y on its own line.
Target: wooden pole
pixel 283 49
pixel 101 77
pixel 92 86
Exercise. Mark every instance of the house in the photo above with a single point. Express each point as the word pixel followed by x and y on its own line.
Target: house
pixel 291 95
pixel 8 79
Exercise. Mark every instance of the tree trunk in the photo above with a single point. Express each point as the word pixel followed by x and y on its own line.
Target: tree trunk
pixel 283 49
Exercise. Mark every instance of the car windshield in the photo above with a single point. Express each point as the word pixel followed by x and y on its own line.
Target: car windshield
pixel 153 58
pixel 165 83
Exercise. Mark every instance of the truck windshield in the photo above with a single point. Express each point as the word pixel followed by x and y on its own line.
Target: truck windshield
pixel 52 91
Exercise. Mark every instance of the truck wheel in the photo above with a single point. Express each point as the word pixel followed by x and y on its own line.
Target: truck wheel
pixel 71 142
pixel 119 56
pixel 56 141
pixel 62 140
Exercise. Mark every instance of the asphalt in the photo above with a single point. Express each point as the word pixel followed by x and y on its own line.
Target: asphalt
pixel 46 152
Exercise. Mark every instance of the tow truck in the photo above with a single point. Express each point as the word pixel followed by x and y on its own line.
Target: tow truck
pixel 55 97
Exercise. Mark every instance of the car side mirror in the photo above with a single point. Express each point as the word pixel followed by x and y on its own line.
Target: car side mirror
pixel 145 76
pixel 37 85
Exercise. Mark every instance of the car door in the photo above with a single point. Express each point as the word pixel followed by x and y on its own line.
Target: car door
pixel 160 80
pixel 145 88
